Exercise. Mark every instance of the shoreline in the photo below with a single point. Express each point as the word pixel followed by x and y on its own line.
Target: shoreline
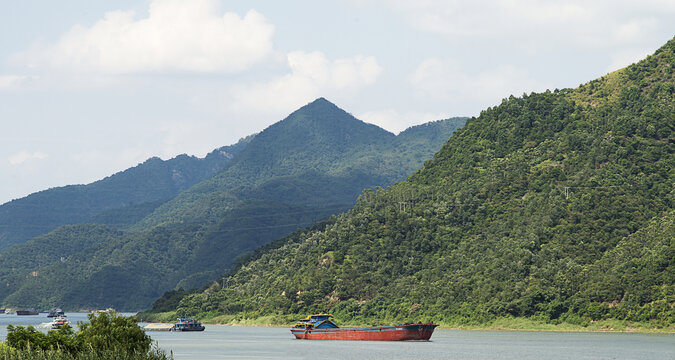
pixel 579 330
pixel 560 330
pixel 607 326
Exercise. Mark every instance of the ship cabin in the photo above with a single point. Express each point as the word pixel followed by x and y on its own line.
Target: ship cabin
pixel 188 324
pixel 317 321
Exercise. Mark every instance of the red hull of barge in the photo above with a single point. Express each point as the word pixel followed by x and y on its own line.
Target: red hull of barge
pixel 381 333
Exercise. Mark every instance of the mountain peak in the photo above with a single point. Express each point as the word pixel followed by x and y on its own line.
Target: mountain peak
pixel 319 105
pixel 320 101
pixel 322 116
pixel 319 133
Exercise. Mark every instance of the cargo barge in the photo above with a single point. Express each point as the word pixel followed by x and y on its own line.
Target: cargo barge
pixel 183 324
pixel 27 312
pixel 322 327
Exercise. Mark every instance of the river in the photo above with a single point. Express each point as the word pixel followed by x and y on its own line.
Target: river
pixel 243 342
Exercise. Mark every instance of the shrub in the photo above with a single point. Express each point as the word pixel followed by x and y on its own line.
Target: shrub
pixel 106 336
pixel 110 331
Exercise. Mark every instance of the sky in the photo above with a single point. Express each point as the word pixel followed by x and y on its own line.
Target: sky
pixel 89 88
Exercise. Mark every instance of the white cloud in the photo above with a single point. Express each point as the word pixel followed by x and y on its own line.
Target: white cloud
pixel 177 136
pixel 444 79
pixel 340 73
pixel 625 57
pixel 487 17
pixel 23 156
pixel 311 75
pixel 122 159
pixel 634 29
pixel 396 121
pixel 192 36
pixel 588 23
pixel 8 82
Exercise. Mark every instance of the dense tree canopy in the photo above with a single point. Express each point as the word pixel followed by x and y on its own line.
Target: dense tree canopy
pixel 312 164
pixel 105 336
pixel 556 206
pixel 119 200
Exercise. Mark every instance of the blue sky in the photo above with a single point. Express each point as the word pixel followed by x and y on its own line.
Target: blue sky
pixel 92 87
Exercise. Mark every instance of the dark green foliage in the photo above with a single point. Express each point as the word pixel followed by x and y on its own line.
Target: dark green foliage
pixel 169 301
pixel 8 353
pixel 555 206
pixel 105 336
pixel 110 331
pixel 126 216
pixel 639 271
pixel 63 339
pixel 119 200
pixel 27 260
pixel 319 153
pixel 313 164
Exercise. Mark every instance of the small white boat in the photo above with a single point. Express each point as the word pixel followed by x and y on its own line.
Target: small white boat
pixel 59 322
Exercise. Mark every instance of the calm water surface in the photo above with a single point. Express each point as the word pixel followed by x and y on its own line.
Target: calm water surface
pixel 238 342
pixel 241 342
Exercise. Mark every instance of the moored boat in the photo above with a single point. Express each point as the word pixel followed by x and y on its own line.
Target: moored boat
pixel 182 324
pixel 108 310
pixel 59 322
pixel 187 324
pixel 322 327
pixel 27 312
pixel 55 312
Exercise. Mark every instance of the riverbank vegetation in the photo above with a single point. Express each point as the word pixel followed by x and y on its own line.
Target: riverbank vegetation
pixel 554 208
pixel 505 323
pixel 298 171
pixel 105 336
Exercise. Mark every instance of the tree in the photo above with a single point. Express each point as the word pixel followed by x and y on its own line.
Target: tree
pixel 63 339
pixel 111 331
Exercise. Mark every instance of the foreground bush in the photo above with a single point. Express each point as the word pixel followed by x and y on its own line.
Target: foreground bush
pixel 23 338
pixel 107 331
pixel 106 336
pixel 9 353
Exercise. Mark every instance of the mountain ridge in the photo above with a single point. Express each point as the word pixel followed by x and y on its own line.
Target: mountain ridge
pixel 209 226
pixel 292 156
pixel 142 187
pixel 517 216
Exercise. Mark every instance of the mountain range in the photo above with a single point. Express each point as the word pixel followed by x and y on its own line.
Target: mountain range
pixel 126 251
pixel 554 206
pixel 119 200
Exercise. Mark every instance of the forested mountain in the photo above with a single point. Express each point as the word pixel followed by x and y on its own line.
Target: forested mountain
pixel 310 165
pixel 26 260
pixel 329 153
pixel 555 206
pixel 119 200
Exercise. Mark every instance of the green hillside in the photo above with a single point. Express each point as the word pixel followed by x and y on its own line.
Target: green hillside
pixel 308 166
pixel 319 139
pixel 24 261
pixel 556 207
pixel 119 200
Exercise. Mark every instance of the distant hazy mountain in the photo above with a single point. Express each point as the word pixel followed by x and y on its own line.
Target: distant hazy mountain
pixel 21 262
pixel 120 200
pixel 304 168
pixel 557 206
